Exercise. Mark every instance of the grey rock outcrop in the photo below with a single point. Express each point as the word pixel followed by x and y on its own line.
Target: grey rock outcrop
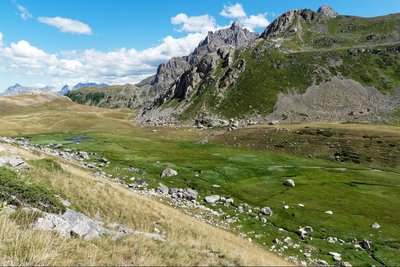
pixel 328 11
pixel 76 224
pixel 14 161
pixel 70 224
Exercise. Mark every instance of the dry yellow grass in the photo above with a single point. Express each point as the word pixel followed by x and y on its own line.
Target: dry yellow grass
pixel 189 241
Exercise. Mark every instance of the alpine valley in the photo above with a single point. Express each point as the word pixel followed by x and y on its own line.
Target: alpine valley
pixel 275 148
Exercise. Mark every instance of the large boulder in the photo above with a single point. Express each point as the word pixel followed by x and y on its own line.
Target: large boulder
pixel 168 172
pixel 14 161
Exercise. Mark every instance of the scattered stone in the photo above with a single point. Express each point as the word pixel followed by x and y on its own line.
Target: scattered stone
pixel 274 122
pixel 301 205
pixel 307 255
pixel 331 239
pixel 375 226
pixel 229 200
pixel 266 211
pixel 162 189
pixel 329 212
pixel 277 241
pixel 190 194
pixel 212 199
pixel 168 172
pixel 289 182
pixel 2 149
pixel 336 256
pixel 288 240
pixel 345 264
pixel 321 263
pixel 82 155
pixel 366 244
pixel 286 207
pixel 263 220
pixel 216 186
pixel 91 165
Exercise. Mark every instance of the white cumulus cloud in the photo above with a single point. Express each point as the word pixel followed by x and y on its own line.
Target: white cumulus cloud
pixel 119 66
pixel 203 23
pixel 254 21
pixel 67 25
pixel 24 13
pixel 236 12
pixel 233 11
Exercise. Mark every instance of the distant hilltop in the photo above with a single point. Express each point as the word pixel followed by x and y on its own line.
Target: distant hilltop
pixel 18 89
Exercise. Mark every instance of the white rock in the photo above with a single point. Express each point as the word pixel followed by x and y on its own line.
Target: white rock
pixel 286 207
pixel 345 264
pixel 287 240
pixel 168 172
pixel 301 205
pixel 266 211
pixel 375 226
pixel 336 256
pixel 212 198
pixel 289 182
pixel 329 212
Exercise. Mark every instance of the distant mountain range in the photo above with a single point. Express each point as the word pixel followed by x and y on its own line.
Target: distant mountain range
pixel 18 89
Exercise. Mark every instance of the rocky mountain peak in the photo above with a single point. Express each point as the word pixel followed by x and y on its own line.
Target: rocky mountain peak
pixel 328 11
pixel 286 22
pixel 235 36
pixel 235 25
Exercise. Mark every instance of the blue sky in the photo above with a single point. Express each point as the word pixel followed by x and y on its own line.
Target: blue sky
pixel 118 41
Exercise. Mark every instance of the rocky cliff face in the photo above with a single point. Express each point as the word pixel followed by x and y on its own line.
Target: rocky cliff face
pixel 235 36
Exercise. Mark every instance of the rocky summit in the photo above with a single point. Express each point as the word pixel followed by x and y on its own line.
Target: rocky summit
pixel 233 37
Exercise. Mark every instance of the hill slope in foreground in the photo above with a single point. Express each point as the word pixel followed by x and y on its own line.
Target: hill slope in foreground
pixel 346 180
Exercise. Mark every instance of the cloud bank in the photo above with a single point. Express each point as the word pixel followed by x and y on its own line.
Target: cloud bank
pixel 124 65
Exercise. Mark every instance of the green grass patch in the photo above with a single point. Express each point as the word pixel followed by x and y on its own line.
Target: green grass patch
pixel 22 191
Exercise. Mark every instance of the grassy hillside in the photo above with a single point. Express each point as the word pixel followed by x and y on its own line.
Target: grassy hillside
pixel 357 195
pixel 189 242
pixel 309 52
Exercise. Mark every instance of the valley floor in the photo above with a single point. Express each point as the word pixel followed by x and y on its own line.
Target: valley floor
pixel 350 170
